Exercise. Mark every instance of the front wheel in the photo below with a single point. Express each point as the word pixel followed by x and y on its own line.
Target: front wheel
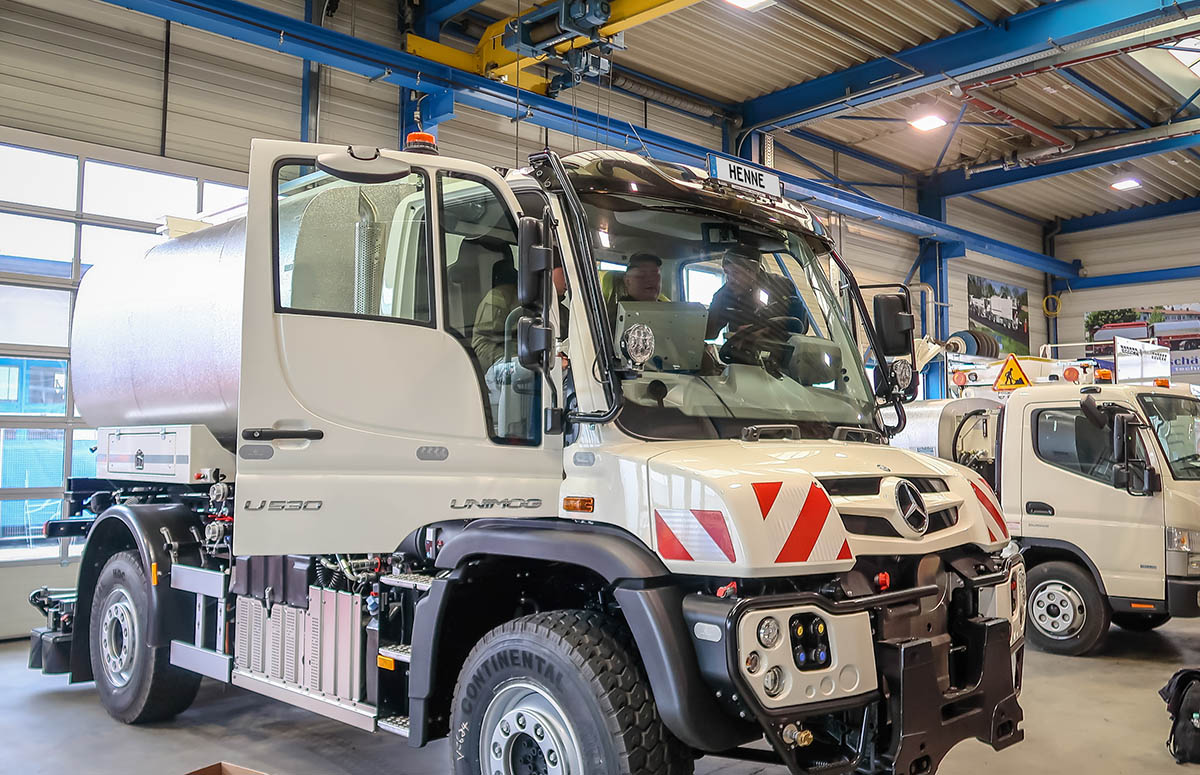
pixel 137 682
pixel 1066 612
pixel 559 693
pixel 1140 622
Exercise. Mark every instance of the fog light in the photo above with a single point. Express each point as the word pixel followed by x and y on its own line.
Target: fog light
pixel 773 682
pixel 769 632
pixel 753 662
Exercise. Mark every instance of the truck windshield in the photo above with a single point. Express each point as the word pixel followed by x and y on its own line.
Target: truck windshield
pixel 746 328
pixel 1176 422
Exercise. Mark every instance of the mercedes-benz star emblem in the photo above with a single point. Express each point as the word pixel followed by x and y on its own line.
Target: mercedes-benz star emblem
pixel 912 507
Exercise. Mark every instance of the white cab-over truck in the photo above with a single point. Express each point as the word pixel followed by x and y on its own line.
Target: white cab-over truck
pixel 1100 486
pixel 383 449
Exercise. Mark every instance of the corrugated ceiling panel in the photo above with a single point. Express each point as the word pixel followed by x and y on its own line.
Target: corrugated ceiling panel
pixel 355 111
pixel 224 93
pixel 89 71
pixel 844 167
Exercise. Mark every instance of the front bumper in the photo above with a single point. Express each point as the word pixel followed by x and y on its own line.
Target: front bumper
pixel 884 705
pixel 1183 596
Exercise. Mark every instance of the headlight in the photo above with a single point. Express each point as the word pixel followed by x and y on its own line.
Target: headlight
pixel 1180 540
pixel 769 632
pixel 773 682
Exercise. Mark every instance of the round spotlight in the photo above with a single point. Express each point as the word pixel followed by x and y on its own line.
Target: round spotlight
pixel 753 662
pixel 769 632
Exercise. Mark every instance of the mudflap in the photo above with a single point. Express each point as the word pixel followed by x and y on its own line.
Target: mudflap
pixel 49 651
pixel 926 723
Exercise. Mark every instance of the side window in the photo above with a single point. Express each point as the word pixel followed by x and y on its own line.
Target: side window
pixel 479 248
pixel 352 250
pixel 1067 439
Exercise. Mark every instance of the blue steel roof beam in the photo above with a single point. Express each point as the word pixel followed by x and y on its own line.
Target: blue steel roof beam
pixel 1103 97
pixel 297 38
pixel 957 183
pixel 985 21
pixel 1045 29
pixel 813 165
pixel 1131 215
pixel 1127 278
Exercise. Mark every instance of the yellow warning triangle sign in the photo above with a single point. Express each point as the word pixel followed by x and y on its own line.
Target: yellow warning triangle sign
pixel 1011 376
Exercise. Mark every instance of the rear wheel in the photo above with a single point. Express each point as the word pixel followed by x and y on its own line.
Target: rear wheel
pixel 1140 622
pixel 1066 612
pixel 137 683
pixel 559 693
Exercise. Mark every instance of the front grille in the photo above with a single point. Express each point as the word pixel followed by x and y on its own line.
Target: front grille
pixel 869 485
pixel 857 524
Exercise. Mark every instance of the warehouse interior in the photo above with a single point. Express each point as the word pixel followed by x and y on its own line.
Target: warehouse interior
pixel 1030 170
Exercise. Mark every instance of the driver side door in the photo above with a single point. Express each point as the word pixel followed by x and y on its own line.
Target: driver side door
pixel 367 405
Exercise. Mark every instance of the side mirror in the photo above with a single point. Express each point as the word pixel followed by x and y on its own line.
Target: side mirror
pixel 535 259
pixel 1130 471
pixel 893 321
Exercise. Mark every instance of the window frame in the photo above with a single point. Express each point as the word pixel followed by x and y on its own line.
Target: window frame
pixel 1037 451
pixel 464 342
pixel 275 275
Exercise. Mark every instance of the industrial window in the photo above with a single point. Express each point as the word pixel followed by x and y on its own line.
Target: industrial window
pixel 479 248
pixel 64 208
pixel 1067 439
pixel 353 250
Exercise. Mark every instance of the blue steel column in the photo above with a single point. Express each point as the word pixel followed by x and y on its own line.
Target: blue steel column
pixel 933 270
pixel 306 85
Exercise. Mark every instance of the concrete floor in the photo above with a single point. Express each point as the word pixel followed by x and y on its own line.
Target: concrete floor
pixel 1099 715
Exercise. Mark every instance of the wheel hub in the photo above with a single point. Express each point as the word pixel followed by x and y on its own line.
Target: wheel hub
pixel 1057 610
pixel 526 733
pixel 118 638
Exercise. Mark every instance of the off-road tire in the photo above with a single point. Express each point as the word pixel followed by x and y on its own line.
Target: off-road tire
pixel 1140 622
pixel 1097 613
pixel 585 662
pixel 156 690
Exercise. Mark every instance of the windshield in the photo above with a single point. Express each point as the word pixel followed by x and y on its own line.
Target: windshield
pixel 746 328
pixel 1176 422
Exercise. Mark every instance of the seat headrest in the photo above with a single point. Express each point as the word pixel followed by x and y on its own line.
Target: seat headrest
pixel 474 253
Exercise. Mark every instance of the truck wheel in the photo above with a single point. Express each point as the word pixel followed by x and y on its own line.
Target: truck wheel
pixel 1067 614
pixel 137 683
pixel 1140 622
pixel 559 693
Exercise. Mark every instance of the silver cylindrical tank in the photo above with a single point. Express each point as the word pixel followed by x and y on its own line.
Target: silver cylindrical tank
pixel 157 339
pixel 931 424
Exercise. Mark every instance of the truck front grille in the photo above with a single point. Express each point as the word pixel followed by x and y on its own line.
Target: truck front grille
pixel 858 524
pixel 869 485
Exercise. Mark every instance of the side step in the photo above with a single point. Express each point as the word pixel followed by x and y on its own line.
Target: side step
pixel 397 725
pixel 417 581
pixel 396 651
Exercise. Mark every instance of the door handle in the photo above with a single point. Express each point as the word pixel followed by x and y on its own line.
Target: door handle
pixel 275 434
pixel 1039 508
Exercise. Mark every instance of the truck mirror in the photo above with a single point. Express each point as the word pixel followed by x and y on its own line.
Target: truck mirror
pixel 535 260
pixel 893 321
pixel 1130 471
pixel 1124 437
pixel 535 344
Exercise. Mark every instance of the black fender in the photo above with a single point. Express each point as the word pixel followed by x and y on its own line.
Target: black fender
pixel 650 600
pixel 139 527
pixel 1068 548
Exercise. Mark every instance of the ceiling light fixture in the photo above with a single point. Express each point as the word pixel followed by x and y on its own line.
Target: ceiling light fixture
pixel 1125 184
pixel 926 116
pixel 751 5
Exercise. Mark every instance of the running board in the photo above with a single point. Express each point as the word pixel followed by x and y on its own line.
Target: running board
pixel 358 715
pixel 417 581
pixel 397 725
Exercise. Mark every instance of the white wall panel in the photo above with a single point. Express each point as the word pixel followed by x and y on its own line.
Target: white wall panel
pixel 1162 243
pixel 223 94
pixel 84 70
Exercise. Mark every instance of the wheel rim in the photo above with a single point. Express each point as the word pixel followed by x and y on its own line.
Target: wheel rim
pixel 525 732
pixel 118 638
pixel 1057 610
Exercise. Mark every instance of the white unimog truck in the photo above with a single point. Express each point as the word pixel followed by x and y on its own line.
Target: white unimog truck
pixel 341 465
pixel 1100 486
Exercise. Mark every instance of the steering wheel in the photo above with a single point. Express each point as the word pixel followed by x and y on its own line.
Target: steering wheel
pixel 746 343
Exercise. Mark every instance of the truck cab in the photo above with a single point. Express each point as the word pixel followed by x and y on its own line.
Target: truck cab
pixel 1099 484
pixel 512 452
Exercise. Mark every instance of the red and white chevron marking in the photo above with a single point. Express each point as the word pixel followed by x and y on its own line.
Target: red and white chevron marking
pixel 700 535
pixel 992 507
pixel 797 519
